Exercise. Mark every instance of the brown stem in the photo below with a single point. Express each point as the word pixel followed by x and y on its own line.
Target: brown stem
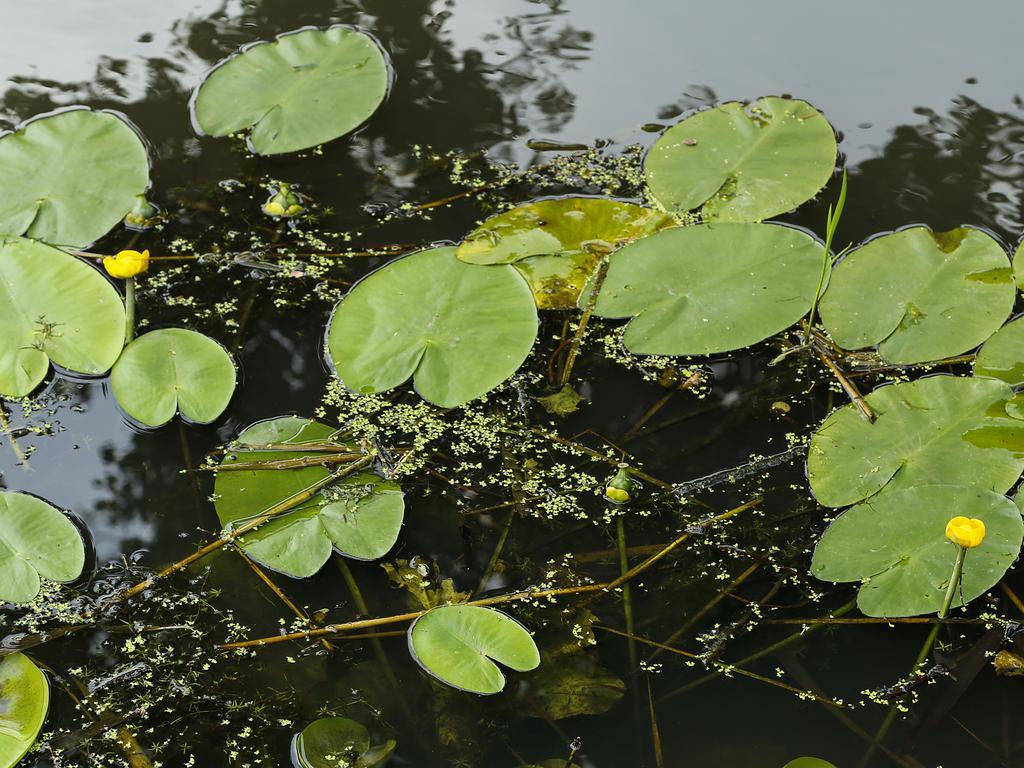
pixel 581 328
pixel 848 386
pixel 296 463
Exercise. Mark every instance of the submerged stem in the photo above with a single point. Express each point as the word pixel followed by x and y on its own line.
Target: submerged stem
pixel 129 310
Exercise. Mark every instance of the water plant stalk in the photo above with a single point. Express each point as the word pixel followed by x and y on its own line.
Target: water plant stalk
pixel 831 223
pixel 129 309
pixel 581 327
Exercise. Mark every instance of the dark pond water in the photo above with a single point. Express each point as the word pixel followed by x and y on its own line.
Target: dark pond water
pixel 926 99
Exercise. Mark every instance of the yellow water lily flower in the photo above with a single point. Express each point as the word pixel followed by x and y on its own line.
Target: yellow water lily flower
pixel 126 264
pixel 616 494
pixel 968 532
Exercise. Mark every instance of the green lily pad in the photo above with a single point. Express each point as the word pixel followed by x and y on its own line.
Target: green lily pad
pixel 173 370
pixel 920 295
pixel 808 762
pixel 896 544
pixel 70 176
pixel 360 516
pixel 918 438
pixel 742 162
pixel 1002 356
pixel 302 89
pixel 457 329
pixel 24 702
pixel 556 244
pixel 456 644
pixel 332 742
pixel 53 307
pixel 37 540
pixel 711 288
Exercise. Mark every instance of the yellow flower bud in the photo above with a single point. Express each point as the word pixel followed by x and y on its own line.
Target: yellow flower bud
pixel 616 494
pixel 126 264
pixel 285 203
pixel 273 208
pixel 965 531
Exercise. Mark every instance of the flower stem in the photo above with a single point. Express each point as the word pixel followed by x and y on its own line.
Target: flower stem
pixel 129 309
pixel 954 581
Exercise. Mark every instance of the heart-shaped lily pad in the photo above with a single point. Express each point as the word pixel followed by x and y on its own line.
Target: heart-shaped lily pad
pixel 456 644
pixel 24 702
pixel 360 516
pixel 711 288
pixel 920 295
pixel 742 162
pixel 70 176
pixel 173 370
pixel 332 742
pixel 556 244
pixel 896 544
pixel 53 307
pixel 1002 356
pixel 918 438
pixel 37 541
pixel 302 89
pixel 457 329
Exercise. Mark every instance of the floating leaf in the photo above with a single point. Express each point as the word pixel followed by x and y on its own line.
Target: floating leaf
pixel 53 307
pixel 36 540
pixel 917 439
pixel 556 244
pixel 457 329
pixel 743 162
pixel 360 516
pixel 173 370
pixel 24 701
pixel 896 544
pixel 1002 356
pixel 301 89
pixel 455 644
pixel 710 288
pixel 333 742
pixel 70 176
pixel 920 295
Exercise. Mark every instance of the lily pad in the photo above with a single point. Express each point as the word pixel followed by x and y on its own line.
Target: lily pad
pixel 53 307
pixel 742 162
pixel 1002 356
pixel 24 702
pixel 920 295
pixel 37 540
pixel 457 329
pixel 456 644
pixel 331 742
pixel 302 89
pixel 808 762
pixel 173 370
pixel 69 177
pixel 360 516
pixel 918 438
pixel 896 544
pixel 556 244
pixel 711 288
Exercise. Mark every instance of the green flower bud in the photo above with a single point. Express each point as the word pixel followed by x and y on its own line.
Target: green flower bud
pixel 143 215
pixel 284 204
pixel 620 487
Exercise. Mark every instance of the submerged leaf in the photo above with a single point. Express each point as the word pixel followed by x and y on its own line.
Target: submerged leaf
pixel 53 307
pixel 173 370
pixel 455 644
pixel 556 244
pixel 561 403
pixel 573 684
pixel 918 438
pixel 742 162
pixel 24 702
pixel 336 742
pixel 710 288
pixel 457 329
pixel 36 540
pixel 70 176
pixel 920 295
pixel 808 762
pixel 302 89
pixel 360 516
pixel 896 544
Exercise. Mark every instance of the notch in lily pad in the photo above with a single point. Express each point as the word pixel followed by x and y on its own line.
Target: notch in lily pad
pixel 173 370
pixel 459 645
pixel 37 541
pixel 895 543
pixel 742 162
pixel 556 244
pixel 360 516
pixel 299 90
pixel 456 329
pixel 70 176
pixel 24 702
